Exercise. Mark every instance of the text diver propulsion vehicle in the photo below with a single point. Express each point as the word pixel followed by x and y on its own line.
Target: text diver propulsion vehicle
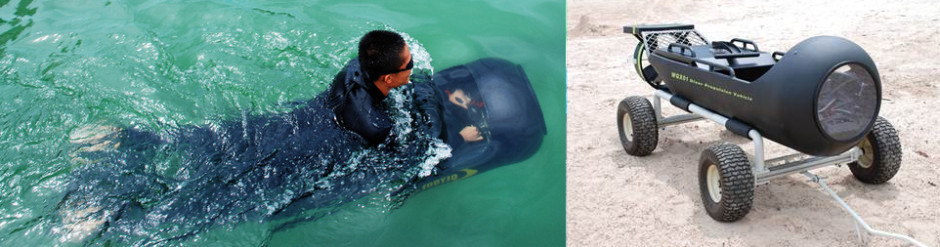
pixel 820 98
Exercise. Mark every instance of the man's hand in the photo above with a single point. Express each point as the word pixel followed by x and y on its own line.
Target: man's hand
pixel 471 134
pixel 461 99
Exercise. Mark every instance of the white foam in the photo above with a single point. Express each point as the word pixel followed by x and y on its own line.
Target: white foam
pixel 275 40
pixel 418 53
pixel 437 151
pixel 55 38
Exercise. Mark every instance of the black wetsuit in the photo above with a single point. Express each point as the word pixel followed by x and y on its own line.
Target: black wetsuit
pixel 358 104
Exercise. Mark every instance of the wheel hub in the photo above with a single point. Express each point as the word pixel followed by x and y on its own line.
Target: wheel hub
pixel 627 127
pixel 712 178
pixel 868 153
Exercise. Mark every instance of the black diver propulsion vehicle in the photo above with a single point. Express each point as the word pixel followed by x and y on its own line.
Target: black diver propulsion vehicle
pixel 503 107
pixel 820 98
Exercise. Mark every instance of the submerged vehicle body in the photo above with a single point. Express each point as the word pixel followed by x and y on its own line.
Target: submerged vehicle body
pixel 820 98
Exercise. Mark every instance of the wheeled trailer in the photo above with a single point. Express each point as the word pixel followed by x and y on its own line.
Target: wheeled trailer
pixel 821 99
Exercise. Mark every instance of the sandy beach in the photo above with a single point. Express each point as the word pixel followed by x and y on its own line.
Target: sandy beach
pixel 614 199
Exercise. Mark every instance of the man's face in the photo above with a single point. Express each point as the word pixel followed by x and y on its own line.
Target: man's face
pixel 401 78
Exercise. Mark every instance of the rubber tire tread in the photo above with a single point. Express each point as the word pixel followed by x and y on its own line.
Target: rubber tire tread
pixel 736 182
pixel 645 129
pixel 887 150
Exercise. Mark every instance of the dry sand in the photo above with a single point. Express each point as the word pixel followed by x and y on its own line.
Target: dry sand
pixel 614 199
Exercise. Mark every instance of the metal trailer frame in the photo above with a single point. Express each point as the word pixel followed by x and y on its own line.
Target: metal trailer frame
pixel 764 170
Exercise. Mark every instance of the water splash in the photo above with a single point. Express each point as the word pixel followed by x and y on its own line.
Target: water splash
pixel 418 53
pixel 436 150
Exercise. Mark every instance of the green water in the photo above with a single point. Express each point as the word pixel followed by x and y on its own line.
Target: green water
pixel 160 64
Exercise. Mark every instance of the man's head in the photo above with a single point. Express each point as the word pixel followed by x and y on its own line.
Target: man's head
pixel 385 57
